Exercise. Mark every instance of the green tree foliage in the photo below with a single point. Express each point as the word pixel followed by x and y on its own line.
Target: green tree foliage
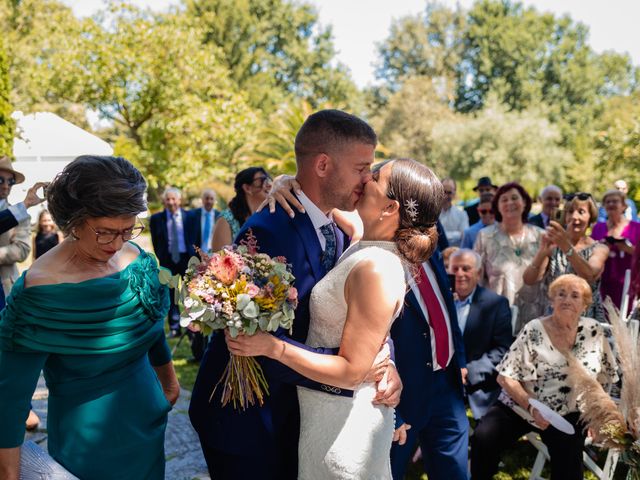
pixel 275 51
pixel 507 145
pixel 7 124
pixel 405 126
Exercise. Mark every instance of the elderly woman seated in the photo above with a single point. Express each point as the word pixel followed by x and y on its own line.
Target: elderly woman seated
pixel 535 368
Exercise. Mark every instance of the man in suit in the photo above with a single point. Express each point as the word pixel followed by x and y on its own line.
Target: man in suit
pixel 483 187
pixel 485 321
pixel 15 243
pixel 487 217
pixel 201 221
pixel 334 152
pixel 429 355
pixel 172 244
pixel 550 197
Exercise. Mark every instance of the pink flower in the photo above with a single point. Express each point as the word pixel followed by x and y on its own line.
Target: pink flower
pixel 292 294
pixel 224 268
pixel 252 290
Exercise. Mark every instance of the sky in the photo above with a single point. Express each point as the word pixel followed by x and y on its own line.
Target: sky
pixel 358 25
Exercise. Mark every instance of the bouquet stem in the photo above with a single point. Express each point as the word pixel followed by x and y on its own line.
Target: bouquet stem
pixel 242 382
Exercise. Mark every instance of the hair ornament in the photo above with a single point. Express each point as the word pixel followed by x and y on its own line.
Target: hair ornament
pixel 411 207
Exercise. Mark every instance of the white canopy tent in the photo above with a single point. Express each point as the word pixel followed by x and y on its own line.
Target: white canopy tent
pixel 44 144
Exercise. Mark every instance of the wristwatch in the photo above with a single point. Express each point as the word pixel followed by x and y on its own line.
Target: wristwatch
pixel 628 243
pixel 569 252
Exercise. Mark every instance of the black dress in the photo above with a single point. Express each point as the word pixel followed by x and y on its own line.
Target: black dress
pixel 45 242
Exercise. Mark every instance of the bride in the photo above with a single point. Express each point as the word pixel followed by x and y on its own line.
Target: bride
pixel 353 308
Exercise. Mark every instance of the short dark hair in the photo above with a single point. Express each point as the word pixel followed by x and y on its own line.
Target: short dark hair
pixel 523 193
pixel 95 186
pixel 326 130
pixel 238 204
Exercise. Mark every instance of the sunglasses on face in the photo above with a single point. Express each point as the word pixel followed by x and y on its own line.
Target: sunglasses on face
pixel 260 181
pixel 9 181
pixel 582 196
pixel 485 211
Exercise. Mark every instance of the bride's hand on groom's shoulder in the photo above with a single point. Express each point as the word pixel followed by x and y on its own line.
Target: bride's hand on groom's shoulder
pixel 282 192
pixel 259 344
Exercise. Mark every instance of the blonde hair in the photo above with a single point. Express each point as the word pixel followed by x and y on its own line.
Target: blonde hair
pixel 569 279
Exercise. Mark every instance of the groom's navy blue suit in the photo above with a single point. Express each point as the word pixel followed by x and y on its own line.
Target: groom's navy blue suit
pixel 431 402
pixel 262 442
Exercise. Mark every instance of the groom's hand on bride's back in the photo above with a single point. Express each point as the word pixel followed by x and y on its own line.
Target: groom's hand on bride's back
pixel 389 388
pixel 282 192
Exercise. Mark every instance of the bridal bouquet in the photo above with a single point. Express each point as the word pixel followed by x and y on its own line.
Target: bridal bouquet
pixel 241 290
pixel 614 426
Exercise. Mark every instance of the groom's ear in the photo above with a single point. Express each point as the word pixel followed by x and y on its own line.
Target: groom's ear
pixel 322 164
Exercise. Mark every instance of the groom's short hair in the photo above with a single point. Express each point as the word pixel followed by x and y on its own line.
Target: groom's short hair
pixel 327 130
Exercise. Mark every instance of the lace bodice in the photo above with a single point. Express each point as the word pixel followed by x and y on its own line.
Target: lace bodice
pixel 328 305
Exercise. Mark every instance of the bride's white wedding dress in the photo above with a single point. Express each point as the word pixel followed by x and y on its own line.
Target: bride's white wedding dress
pixel 341 437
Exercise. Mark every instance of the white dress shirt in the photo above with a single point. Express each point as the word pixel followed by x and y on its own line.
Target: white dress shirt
pixel 455 222
pixel 317 217
pixel 436 288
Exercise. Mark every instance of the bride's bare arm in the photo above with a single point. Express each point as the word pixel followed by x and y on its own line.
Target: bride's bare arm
pixel 372 298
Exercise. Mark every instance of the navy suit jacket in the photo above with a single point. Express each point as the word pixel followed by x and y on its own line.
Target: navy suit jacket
pixel 193 225
pixel 160 236
pixel 412 340
pixel 277 421
pixel 487 337
pixel 537 220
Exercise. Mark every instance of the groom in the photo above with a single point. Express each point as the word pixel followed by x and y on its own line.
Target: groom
pixel 334 152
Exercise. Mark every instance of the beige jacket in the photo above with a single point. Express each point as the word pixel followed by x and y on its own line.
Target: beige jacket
pixel 15 246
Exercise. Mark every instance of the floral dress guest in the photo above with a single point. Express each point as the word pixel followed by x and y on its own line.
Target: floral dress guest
pixel 569 250
pixel 251 186
pixel 622 236
pixel 535 368
pixel 95 329
pixel 508 247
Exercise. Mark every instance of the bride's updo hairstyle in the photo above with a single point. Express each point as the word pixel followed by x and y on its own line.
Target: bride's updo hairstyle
pixel 420 194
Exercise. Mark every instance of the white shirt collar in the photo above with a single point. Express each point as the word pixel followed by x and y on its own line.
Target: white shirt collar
pixel 317 216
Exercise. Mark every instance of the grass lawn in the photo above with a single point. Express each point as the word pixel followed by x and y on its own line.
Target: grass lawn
pixel 517 462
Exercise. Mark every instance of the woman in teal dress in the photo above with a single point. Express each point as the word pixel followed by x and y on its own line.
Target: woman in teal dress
pixel 251 186
pixel 89 313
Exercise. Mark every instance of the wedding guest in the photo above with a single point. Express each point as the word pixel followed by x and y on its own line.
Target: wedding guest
pixel 172 244
pixel 95 327
pixel 15 244
pixel 508 247
pixel 446 255
pixel 484 187
pixel 453 220
pixel 487 217
pixel 535 368
pixel 550 197
pixel 47 235
pixel 570 250
pixel 201 221
pixel 485 321
pixel 630 213
pixel 251 186
pixel 621 235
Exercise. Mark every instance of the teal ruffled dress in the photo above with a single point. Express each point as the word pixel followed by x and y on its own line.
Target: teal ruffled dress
pixel 96 342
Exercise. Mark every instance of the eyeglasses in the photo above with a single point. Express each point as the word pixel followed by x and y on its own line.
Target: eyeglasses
pixel 260 181
pixel 9 181
pixel 582 196
pixel 449 192
pixel 485 211
pixel 106 237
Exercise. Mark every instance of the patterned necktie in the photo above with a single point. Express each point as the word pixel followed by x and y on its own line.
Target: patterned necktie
pixel 329 255
pixel 436 318
pixel 207 230
pixel 175 248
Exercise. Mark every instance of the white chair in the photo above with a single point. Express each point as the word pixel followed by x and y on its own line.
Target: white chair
pixel 604 473
pixel 514 320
